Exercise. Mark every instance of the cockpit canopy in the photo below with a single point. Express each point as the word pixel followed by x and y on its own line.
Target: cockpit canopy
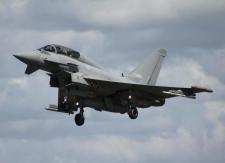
pixel 58 49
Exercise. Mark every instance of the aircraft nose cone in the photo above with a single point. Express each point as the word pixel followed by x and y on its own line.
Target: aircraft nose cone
pixel 28 58
pixel 21 57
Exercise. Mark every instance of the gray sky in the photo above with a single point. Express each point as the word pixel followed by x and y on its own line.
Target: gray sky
pixel 118 35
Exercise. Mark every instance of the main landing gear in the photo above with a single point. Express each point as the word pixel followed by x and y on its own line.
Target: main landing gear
pixel 132 112
pixel 132 109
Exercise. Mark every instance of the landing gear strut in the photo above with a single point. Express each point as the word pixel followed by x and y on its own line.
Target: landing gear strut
pixel 79 118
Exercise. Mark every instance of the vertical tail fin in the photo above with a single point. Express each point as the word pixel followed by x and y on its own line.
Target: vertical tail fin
pixel 148 71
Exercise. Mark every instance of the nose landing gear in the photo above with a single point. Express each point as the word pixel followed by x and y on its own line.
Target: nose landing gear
pixel 79 118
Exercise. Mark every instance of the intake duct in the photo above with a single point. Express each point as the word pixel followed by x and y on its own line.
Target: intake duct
pixel 57 80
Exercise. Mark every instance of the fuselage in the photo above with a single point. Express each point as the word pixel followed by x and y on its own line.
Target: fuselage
pixel 54 62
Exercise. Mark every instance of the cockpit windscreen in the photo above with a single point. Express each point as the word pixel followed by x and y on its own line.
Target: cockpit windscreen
pixel 58 49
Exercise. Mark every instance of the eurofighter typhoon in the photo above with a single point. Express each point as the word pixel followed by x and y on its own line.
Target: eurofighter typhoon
pixel 82 83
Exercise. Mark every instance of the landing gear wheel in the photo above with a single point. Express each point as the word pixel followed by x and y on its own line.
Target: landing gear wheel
pixel 133 112
pixel 79 119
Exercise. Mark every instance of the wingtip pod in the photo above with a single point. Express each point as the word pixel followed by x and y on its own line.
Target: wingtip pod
pixel 208 90
pixel 202 89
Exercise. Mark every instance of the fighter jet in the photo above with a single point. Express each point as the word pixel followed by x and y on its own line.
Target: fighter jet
pixel 82 83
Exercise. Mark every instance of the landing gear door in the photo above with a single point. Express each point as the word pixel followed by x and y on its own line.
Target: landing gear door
pixel 65 102
pixel 61 98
